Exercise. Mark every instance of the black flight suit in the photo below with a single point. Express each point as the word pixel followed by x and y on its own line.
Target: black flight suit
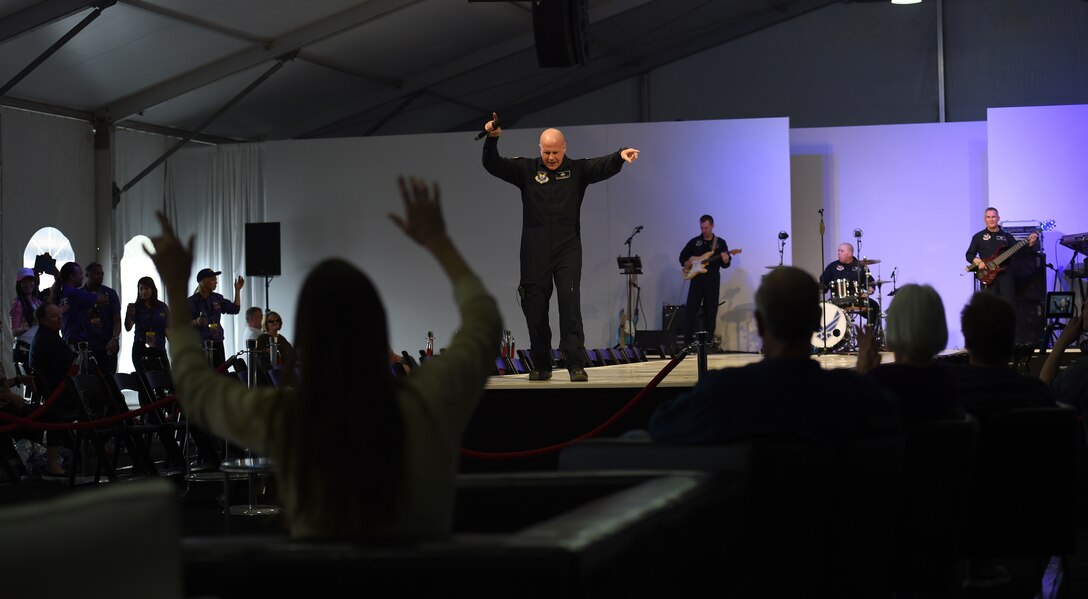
pixel 551 243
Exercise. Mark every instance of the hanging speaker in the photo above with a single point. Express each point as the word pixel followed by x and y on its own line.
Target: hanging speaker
pixel 561 32
pixel 263 249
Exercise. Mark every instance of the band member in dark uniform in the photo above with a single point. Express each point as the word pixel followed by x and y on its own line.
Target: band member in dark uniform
pixel 206 307
pixel 704 286
pixel 844 279
pixel 552 188
pixel 985 244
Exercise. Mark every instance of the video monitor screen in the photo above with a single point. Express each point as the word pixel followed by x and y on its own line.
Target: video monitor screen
pixel 1059 304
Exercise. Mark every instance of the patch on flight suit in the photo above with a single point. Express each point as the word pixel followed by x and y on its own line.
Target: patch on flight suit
pixel 839 267
pixel 541 177
pixel 562 175
pixel 985 236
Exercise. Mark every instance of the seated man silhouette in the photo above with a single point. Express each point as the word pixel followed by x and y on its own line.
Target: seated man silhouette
pixel 987 385
pixel 785 395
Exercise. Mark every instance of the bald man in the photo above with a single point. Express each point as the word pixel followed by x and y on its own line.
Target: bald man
pixel 552 188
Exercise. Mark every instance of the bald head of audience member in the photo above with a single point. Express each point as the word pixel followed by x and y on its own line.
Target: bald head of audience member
pixel 787 311
pixel 916 328
pixel 989 329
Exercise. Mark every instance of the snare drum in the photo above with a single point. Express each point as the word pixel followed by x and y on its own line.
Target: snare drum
pixel 832 327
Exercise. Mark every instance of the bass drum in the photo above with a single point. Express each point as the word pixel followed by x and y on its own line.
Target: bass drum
pixel 831 329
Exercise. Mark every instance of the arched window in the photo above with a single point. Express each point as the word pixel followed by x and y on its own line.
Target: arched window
pixel 135 264
pixel 48 240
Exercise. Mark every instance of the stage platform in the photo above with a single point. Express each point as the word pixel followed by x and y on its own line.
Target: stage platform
pixel 518 415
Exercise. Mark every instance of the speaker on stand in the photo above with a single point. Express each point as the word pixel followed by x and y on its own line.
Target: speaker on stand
pixel 561 32
pixel 1028 270
pixel 263 253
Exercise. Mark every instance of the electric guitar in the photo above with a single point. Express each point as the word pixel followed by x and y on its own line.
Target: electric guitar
pixel 987 275
pixel 625 333
pixel 698 263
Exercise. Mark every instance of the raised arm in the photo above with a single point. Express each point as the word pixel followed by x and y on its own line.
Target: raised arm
pixel 1070 334
pixel 423 223
pixel 496 165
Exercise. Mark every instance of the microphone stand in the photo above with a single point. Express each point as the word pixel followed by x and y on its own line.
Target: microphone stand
pixel 823 313
pixel 781 249
pixel 631 283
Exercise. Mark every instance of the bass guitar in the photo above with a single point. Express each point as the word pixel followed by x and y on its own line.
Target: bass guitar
pixel 698 263
pixel 992 264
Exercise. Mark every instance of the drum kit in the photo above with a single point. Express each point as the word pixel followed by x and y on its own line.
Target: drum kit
pixel 850 300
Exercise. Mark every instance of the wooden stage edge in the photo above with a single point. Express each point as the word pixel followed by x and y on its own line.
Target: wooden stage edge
pixel 638 375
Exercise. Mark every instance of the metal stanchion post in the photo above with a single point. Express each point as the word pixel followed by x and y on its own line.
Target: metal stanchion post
pixel 702 340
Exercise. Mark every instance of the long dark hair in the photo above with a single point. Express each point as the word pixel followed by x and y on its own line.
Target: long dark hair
pixel 62 280
pixel 28 309
pixel 147 282
pixel 344 433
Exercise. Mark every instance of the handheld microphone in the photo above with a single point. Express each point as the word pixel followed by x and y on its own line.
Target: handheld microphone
pixel 783 235
pixel 483 132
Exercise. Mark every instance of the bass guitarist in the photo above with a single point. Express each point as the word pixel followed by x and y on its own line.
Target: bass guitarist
pixel 985 246
pixel 712 252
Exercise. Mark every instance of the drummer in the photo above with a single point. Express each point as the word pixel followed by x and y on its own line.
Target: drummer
pixel 843 277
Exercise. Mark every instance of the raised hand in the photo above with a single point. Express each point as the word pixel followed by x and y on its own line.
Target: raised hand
pixel 492 127
pixel 422 220
pixel 173 258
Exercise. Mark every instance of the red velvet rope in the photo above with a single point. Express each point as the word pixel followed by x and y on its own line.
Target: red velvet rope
pixel 508 455
pixel 48 403
pixel 30 421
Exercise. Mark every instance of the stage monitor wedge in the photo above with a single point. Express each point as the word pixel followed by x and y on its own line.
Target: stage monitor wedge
pixel 263 249
pixel 561 32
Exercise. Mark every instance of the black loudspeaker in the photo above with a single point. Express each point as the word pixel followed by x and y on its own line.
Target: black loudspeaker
pixel 672 317
pixel 1029 271
pixel 263 249
pixel 561 32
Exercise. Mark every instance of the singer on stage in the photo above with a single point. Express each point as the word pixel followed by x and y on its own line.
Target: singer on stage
pixel 704 286
pixel 552 188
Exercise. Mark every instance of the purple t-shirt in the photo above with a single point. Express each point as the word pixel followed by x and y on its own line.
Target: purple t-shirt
pixel 213 307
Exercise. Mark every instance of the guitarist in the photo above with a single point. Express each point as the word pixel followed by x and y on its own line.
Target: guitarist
pixel 986 244
pixel 704 287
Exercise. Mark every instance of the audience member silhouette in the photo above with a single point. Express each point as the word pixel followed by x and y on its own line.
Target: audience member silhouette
pixel 360 454
pixel 987 385
pixel 785 395
pixel 917 332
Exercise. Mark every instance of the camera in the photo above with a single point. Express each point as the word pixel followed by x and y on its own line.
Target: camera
pixel 1060 304
pixel 47 264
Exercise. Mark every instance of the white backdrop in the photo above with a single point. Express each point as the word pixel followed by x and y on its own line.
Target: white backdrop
pixel 332 197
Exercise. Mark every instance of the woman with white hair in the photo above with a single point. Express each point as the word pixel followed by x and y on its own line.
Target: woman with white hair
pixel 917 332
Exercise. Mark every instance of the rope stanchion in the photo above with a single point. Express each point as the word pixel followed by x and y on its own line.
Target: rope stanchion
pixel 48 403
pixel 29 422
pixel 509 455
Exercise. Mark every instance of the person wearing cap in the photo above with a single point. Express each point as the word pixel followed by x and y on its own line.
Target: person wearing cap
pixel 23 324
pixel 206 307
pixel 103 320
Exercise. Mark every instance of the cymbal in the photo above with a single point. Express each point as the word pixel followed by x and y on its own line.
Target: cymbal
pixel 880 282
pixel 868 262
pixel 773 267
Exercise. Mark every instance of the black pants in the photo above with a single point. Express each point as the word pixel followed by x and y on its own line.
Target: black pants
pixel 702 292
pixel 1004 285
pixel 536 295
pixel 107 362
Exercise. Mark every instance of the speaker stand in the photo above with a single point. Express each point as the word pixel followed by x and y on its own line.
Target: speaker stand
pixel 267 284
